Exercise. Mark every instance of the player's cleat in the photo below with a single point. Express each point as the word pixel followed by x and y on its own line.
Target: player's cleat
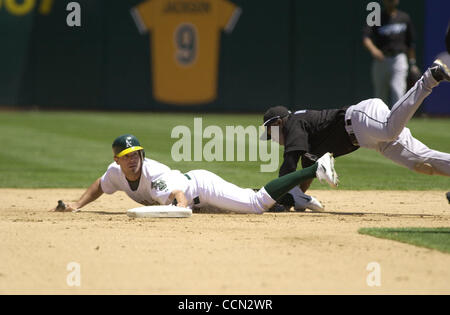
pixel 303 202
pixel 314 205
pixel 325 170
pixel 440 71
pixel 277 208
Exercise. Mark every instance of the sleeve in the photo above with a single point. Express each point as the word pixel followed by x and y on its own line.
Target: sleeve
pixel 368 31
pixel 229 14
pixel 295 137
pixel 290 162
pixel 143 15
pixel 163 186
pixel 107 182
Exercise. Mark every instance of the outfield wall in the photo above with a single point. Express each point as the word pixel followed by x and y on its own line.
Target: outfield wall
pixel 278 52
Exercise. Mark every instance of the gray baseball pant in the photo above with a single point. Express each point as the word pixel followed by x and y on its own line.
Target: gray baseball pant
pixel 376 127
pixel 389 78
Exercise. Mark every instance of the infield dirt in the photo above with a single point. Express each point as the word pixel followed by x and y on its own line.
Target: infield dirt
pixel 216 253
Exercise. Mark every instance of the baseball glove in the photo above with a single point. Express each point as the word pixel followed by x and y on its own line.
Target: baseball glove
pixel 414 75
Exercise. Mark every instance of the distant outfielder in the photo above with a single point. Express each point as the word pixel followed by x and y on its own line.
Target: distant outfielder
pixel 149 182
pixel 369 124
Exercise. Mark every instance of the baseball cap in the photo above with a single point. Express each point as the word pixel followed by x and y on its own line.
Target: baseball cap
pixel 271 116
pixel 126 144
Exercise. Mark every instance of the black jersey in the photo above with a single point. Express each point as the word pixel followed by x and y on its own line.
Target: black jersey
pixel 315 132
pixel 394 36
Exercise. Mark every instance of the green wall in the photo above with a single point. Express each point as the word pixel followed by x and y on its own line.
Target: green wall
pixel 297 53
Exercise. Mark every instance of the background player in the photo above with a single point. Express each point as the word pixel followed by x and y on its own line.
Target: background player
pixel 392 48
pixel 149 182
pixel 369 124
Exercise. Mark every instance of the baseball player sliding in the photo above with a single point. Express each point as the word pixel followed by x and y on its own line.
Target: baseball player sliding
pixel 369 124
pixel 149 182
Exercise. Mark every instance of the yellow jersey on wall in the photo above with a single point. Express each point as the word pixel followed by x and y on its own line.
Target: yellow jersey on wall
pixel 185 46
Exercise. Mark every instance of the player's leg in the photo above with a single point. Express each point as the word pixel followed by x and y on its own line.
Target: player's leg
pixel 399 73
pixel 298 199
pixel 413 154
pixel 380 79
pixel 323 169
pixel 216 192
pixel 406 106
pixel 371 120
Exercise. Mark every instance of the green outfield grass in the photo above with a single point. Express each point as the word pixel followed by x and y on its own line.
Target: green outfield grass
pixel 434 238
pixel 71 149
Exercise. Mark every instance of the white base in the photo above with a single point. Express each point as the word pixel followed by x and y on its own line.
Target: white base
pixel 159 212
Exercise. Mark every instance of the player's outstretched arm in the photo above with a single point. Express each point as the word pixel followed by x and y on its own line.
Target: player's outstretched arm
pixel 92 193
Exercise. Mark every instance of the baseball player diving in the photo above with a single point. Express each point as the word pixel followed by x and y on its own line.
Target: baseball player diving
pixel 369 124
pixel 149 182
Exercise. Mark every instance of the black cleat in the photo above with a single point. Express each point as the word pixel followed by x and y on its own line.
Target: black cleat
pixel 278 208
pixel 440 71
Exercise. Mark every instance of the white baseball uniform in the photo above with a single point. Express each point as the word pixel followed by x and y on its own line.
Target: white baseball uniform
pixel 376 127
pixel 201 188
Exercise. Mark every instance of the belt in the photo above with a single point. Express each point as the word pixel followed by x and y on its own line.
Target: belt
pixel 196 199
pixel 351 135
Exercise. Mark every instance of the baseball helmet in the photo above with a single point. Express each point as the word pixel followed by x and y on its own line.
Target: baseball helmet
pixel 272 115
pixel 126 144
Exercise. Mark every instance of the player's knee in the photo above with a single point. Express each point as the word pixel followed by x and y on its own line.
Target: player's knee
pixel 392 132
pixel 391 135
pixel 380 102
pixel 424 168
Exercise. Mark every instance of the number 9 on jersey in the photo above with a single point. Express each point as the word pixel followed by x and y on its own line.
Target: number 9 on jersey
pixel 186 44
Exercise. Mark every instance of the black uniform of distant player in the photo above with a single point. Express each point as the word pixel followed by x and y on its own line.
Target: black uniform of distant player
pixel 394 36
pixel 392 46
pixel 310 134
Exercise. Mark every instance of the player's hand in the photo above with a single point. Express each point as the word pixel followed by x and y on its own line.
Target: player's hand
pixel 414 74
pixel 71 208
pixel 378 54
pixel 62 207
pixel 415 70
